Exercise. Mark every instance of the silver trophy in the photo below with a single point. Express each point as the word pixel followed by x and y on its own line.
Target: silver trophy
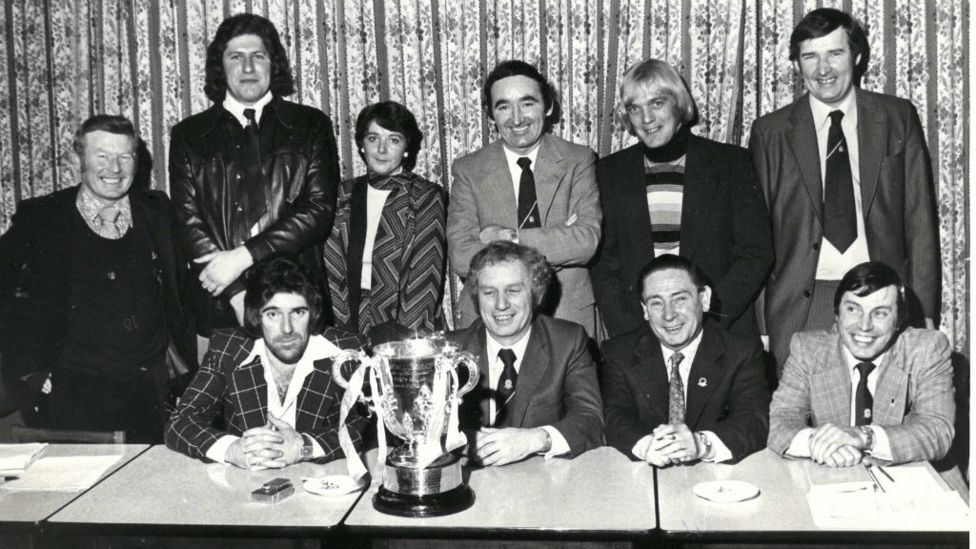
pixel 416 392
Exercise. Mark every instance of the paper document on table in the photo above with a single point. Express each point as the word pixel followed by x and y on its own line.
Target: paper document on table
pixel 62 474
pixel 911 499
pixel 14 458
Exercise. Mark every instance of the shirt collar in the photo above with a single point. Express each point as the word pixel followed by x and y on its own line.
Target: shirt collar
pixel 236 108
pixel 89 205
pixel 821 111
pixel 513 157
pixel 492 346
pixel 318 348
pixel 851 362
pixel 688 351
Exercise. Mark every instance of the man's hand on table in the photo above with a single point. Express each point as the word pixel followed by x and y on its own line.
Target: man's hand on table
pixel 273 446
pixel 675 443
pixel 501 446
pixel 836 445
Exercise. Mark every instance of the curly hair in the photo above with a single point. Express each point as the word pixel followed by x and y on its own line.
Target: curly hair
pixel 823 21
pixel 515 67
pixel 503 251
pixel 277 275
pixel 394 117
pixel 215 87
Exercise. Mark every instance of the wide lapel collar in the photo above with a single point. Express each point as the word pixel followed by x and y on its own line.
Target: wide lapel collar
pixel 548 174
pixel 633 199
pixel 475 409
pixel 830 386
pixel 872 132
pixel 314 397
pixel 699 191
pixel 891 389
pixel 534 366
pixel 250 393
pixel 706 372
pixel 651 375
pixel 495 181
pixel 803 142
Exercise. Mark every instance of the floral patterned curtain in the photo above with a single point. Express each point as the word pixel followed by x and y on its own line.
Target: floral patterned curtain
pixel 63 61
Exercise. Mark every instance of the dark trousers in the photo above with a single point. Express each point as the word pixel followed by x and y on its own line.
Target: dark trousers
pixel 88 402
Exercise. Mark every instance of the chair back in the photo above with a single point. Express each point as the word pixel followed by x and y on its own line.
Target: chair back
pixel 30 434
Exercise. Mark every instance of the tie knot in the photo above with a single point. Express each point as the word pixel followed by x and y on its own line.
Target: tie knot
pixel 865 369
pixel 524 162
pixel 676 359
pixel 508 357
pixel 108 214
pixel 249 114
pixel 836 117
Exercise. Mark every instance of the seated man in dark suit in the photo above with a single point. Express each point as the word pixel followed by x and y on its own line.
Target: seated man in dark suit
pixel 272 385
pixel 868 388
pixel 682 388
pixel 537 392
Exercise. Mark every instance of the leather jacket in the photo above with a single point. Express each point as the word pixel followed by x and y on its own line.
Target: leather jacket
pixel 298 152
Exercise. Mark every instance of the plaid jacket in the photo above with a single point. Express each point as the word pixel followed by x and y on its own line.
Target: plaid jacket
pixel 913 400
pixel 236 394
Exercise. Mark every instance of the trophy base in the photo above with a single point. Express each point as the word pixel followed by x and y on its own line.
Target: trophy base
pixel 433 505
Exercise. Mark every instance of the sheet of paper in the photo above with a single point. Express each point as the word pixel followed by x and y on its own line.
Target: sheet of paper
pixel 62 474
pixel 15 458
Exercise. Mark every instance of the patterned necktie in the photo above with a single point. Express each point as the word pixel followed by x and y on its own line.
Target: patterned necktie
pixel 107 228
pixel 863 401
pixel 528 208
pixel 257 197
pixel 506 384
pixel 676 396
pixel 840 223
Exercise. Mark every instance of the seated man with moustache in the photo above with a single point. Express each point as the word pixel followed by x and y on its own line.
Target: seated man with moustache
pixel 681 388
pixel 537 390
pixel 270 386
pixel 869 388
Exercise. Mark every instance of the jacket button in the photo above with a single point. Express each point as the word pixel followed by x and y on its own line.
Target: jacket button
pixel 806 293
pixel 816 245
pixel 238 177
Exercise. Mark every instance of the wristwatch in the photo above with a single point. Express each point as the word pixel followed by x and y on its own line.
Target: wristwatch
pixel 868 437
pixel 704 442
pixel 307 447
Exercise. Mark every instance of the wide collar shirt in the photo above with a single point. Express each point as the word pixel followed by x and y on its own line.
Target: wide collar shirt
pixel 89 206
pixel 236 108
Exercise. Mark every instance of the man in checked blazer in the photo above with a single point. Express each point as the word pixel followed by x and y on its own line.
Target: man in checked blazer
pixel 491 199
pixel 273 397
pixel 869 388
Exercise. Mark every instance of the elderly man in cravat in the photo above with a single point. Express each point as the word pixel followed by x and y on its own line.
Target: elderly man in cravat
pixel 683 389
pixel 529 187
pixel 537 391
pixel 89 301
pixel 252 176
pixel 868 388
pixel 847 178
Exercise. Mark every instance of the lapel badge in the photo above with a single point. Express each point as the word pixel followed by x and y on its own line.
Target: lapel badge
pixel 508 384
pixel 702 382
pixel 867 413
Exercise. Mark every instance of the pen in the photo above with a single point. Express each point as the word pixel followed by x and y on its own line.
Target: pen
pixel 874 479
pixel 885 473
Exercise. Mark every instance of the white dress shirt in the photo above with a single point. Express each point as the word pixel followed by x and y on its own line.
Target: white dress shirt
pixel 832 264
pixel 516 170
pixel 318 348
pixel 558 446
pixel 236 108
pixel 881 448
pixel 375 199
pixel 721 451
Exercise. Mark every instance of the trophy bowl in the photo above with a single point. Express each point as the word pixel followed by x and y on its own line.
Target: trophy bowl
pixel 415 393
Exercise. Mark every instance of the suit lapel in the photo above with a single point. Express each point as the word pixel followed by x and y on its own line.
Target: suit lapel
pixel 496 182
pixel 633 200
pixel 533 368
pixel 313 397
pixel 250 392
pixel 831 388
pixel 474 411
pixel 706 372
pixel 547 175
pixel 803 142
pixel 890 391
pixel 699 190
pixel 651 376
pixel 872 132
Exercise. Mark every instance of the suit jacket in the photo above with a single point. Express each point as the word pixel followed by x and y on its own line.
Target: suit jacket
pixel 35 254
pixel 897 196
pixel 724 230
pixel 227 398
pixel 732 401
pixel 408 258
pixel 565 182
pixel 557 384
pixel 913 399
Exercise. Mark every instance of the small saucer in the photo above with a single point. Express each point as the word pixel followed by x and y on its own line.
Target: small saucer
pixel 332 485
pixel 726 491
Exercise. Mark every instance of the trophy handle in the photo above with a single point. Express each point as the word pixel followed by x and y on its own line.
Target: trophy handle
pixel 341 359
pixel 459 358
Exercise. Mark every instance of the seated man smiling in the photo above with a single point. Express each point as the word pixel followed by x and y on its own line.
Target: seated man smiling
pixel 272 385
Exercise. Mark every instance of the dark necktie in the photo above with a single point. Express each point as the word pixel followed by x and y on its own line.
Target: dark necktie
pixel 863 401
pixel 676 394
pixel 840 223
pixel 506 384
pixel 251 161
pixel 528 208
